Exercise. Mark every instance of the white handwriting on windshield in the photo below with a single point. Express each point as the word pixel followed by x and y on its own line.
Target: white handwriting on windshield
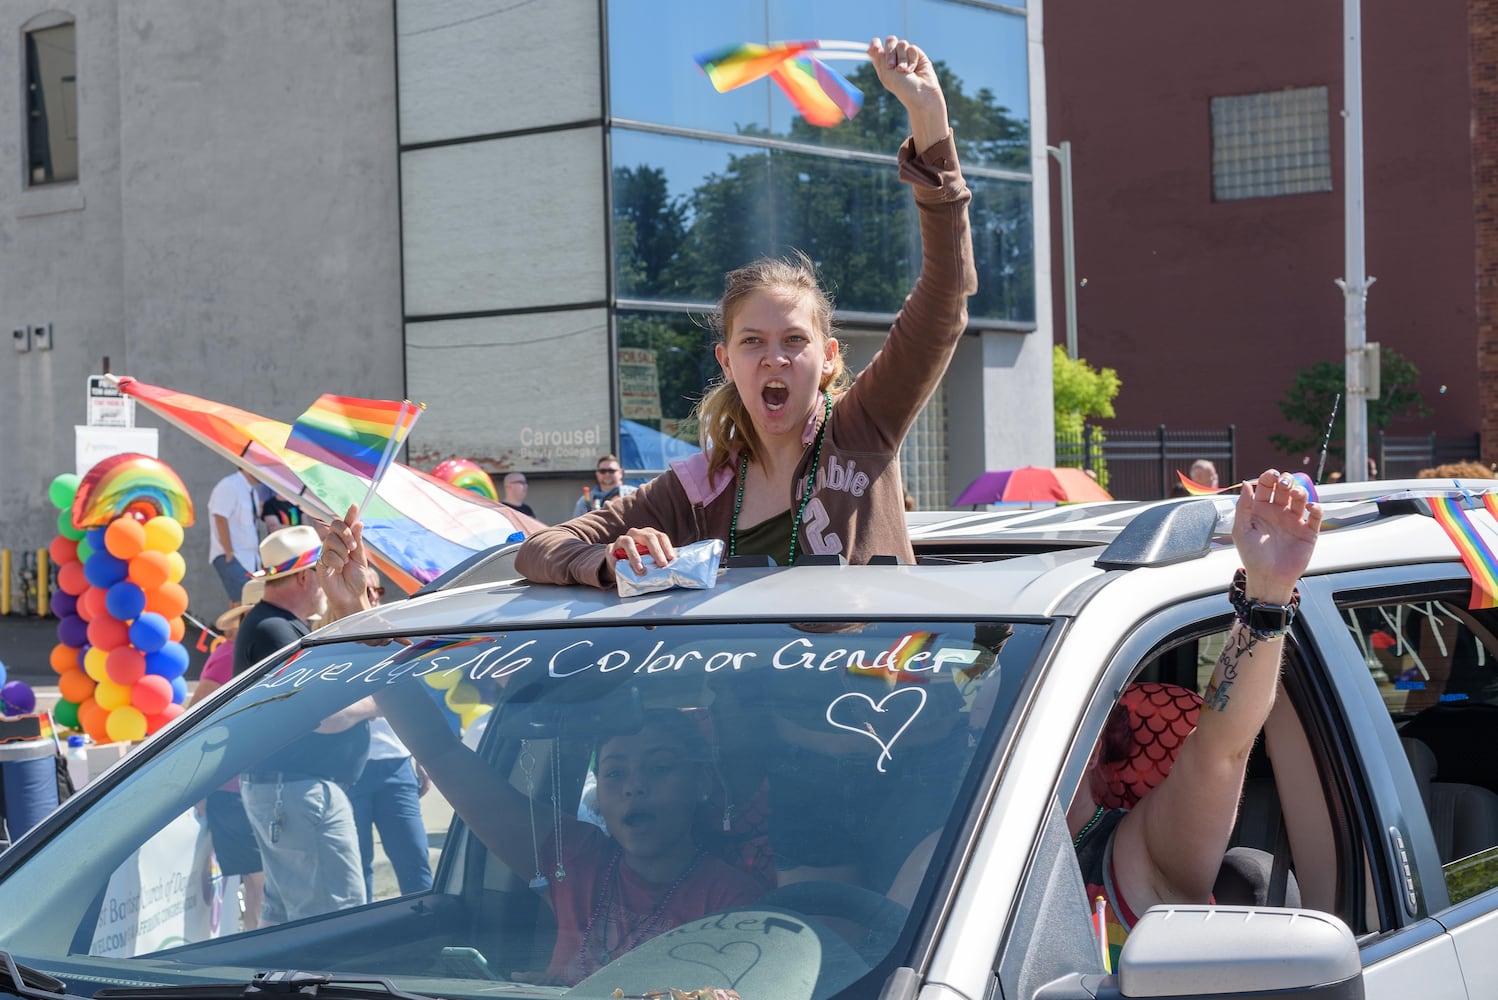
pixel 493 660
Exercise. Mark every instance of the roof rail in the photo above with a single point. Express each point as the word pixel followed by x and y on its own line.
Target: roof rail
pixel 1159 536
pixel 489 566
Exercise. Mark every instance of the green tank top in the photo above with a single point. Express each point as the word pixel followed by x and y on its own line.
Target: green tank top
pixel 770 537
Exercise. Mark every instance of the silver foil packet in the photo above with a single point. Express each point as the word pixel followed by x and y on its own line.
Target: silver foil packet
pixel 695 568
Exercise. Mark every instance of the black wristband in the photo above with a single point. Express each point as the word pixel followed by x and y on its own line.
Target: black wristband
pixel 1263 620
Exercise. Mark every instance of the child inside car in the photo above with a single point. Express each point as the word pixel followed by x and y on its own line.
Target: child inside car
pixel 611 890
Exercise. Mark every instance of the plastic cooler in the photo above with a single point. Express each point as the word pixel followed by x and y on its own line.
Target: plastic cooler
pixel 28 773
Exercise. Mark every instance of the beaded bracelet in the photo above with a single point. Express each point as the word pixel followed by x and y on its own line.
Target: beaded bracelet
pixel 1263 620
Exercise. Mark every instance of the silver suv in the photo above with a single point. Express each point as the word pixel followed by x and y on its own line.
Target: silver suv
pixel 870 764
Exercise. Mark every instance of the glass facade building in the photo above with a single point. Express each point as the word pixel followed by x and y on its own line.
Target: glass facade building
pixel 571 204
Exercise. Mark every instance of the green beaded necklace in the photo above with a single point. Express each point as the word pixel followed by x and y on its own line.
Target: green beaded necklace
pixel 738 501
pixel 1082 833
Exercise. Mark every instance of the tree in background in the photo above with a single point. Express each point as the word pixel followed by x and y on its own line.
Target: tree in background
pixel 853 218
pixel 1307 403
pixel 1081 391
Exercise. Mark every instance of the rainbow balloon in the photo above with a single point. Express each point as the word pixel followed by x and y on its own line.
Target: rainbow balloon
pixel 823 96
pixel 130 484
pixel 466 475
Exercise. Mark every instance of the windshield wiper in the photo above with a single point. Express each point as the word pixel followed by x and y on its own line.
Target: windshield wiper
pixel 266 984
pixel 29 982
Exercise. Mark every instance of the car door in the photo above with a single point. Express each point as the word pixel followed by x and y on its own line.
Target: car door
pixel 1416 673
pixel 1361 797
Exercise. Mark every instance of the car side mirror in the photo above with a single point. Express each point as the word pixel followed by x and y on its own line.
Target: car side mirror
pixel 1225 950
pixel 1211 952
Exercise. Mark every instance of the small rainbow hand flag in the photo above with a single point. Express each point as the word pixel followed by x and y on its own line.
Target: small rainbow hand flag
pixel 822 95
pixel 355 435
pixel 1198 490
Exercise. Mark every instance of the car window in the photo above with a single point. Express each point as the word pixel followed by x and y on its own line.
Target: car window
pixel 1285 848
pixel 627 807
pixel 1293 808
pixel 1435 663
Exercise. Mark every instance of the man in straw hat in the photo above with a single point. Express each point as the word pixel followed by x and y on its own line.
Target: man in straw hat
pixel 292 595
pixel 296 798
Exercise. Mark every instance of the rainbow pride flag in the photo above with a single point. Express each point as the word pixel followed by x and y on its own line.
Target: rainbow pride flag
pixel 1196 489
pixel 359 436
pixel 823 96
pixel 1478 558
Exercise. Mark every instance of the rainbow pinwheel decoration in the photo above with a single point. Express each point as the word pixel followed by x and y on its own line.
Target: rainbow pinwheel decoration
pixel 822 95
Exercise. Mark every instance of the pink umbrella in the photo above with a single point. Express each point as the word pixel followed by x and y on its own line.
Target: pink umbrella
pixel 1032 484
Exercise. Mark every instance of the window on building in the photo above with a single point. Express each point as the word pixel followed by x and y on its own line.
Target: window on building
pixel 923 456
pixel 51 105
pixel 1271 144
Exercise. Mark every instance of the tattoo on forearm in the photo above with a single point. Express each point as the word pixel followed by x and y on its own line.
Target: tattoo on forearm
pixel 1240 643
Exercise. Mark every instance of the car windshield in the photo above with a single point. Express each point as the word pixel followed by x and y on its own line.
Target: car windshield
pixel 748 806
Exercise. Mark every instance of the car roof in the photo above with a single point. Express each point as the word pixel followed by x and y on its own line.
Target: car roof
pixel 1018 563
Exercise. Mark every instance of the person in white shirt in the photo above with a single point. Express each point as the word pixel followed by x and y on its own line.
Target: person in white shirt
pixel 234 536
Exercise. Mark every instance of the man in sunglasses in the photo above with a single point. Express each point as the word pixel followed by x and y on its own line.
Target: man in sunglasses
pixel 611 484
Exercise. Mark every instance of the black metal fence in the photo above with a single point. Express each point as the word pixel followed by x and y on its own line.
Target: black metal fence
pixel 1142 464
pixel 1403 456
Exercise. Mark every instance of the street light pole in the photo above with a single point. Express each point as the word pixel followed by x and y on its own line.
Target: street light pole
pixel 1355 282
pixel 1062 155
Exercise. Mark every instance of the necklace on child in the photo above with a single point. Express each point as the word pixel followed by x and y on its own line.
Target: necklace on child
pixel 629 937
pixel 1082 833
pixel 738 500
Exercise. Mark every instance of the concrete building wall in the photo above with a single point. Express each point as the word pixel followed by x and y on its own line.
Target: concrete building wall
pixel 233 232
pixel 1000 408
pixel 504 236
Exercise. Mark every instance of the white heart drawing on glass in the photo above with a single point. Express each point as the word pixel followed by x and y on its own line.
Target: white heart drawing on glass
pixel 879 709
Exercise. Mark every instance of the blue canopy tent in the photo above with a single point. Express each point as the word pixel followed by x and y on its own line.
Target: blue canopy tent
pixel 645 449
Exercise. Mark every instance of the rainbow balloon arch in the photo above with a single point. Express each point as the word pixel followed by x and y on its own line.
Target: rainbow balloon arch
pixel 119 658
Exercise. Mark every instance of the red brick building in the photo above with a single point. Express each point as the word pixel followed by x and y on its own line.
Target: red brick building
pixel 1207 148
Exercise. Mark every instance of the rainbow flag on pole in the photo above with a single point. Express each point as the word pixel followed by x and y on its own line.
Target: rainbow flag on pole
pixel 359 436
pixel 356 435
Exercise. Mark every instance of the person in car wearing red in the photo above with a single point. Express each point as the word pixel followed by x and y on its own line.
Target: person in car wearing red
pixel 1169 847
